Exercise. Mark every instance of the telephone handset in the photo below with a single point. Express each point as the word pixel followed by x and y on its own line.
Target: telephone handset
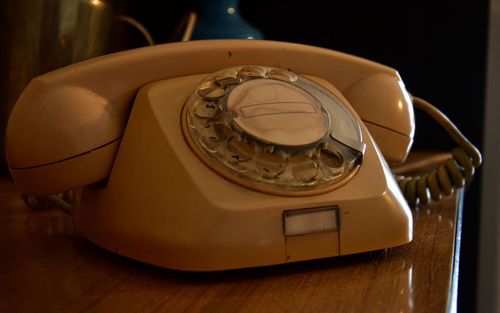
pixel 234 153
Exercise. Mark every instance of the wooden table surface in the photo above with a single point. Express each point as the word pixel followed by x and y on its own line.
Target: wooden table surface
pixel 45 267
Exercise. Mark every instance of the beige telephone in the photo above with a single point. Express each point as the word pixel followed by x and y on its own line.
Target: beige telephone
pixel 234 153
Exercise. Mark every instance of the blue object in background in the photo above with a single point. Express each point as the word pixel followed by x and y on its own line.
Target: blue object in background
pixel 220 19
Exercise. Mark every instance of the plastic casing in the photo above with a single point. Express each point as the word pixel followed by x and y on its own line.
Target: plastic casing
pixel 161 204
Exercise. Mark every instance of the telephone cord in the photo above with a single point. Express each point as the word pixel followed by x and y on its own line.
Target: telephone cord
pixel 456 172
pixel 63 201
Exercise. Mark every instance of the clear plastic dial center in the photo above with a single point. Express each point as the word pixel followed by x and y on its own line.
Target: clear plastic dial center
pixel 277 112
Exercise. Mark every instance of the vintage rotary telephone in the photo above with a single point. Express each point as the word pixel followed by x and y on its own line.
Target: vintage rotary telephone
pixel 211 155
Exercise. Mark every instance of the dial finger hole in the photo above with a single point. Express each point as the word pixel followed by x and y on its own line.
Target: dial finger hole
pixel 304 169
pixel 240 151
pixel 283 75
pixel 252 72
pixel 330 158
pixel 213 134
pixel 270 165
pixel 331 162
pixel 206 109
pixel 227 78
pixel 210 90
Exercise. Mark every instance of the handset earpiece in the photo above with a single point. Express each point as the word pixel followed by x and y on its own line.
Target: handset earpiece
pixel 385 107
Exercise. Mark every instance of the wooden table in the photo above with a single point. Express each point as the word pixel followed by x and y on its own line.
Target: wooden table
pixel 45 267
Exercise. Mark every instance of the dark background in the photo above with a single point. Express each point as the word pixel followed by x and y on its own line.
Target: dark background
pixel 439 48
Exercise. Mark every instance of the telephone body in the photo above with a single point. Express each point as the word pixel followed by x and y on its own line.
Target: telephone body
pixel 293 167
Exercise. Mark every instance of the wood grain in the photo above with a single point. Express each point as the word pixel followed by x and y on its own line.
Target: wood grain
pixel 45 267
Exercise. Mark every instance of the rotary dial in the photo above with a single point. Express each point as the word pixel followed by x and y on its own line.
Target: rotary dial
pixel 272 130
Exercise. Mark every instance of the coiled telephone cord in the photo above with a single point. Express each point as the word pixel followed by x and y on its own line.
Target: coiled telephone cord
pixel 456 172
